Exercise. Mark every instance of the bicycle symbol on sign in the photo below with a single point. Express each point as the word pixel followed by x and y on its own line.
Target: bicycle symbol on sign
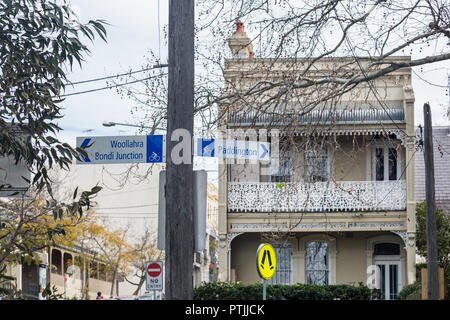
pixel 154 157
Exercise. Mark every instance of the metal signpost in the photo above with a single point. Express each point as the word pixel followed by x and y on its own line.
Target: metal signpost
pixel 200 201
pixel 266 264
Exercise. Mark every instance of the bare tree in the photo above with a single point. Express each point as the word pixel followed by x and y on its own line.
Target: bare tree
pixel 305 61
pixel 374 38
pixel 145 249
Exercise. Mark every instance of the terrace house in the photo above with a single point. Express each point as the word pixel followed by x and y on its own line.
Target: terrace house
pixel 336 199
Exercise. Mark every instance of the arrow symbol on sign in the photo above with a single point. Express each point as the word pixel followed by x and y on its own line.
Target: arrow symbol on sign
pixel 266 253
pixel 265 150
pixel 270 260
pixel 263 259
pixel 83 146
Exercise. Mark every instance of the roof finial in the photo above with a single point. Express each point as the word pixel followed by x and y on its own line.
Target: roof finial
pixel 239 43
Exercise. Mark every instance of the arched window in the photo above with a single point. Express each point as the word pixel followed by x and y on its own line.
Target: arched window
pixel 56 261
pixel 67 261
pixel 317 263
pixel 93 269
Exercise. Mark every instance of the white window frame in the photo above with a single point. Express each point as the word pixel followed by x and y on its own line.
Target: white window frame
pixel 306 158
pixel 386 161
pixel 288 161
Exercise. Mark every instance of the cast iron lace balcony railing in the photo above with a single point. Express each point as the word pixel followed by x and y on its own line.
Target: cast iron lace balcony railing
pixel 336 116
pixel 317 197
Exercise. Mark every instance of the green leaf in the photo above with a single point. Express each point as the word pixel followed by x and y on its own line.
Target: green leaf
pixel 281 185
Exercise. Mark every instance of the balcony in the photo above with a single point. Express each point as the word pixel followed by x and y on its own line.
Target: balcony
pixel 317 197
pixel 337 116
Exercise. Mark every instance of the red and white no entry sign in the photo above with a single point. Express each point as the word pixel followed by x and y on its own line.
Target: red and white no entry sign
pixel 154 270
pixel 154 276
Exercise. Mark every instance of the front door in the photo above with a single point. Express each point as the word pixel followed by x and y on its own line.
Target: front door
pixel 389 278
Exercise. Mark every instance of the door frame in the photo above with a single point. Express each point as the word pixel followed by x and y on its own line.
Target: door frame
pixel 388 260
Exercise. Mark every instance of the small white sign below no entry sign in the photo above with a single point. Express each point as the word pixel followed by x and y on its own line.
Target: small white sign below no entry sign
pixel 154 275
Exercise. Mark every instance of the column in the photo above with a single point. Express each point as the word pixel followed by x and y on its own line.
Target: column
pixel 222 216
pixel 298 264
pixel 410 181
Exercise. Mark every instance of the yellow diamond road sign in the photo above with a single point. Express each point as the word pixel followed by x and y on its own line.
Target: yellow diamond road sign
pixel 266 261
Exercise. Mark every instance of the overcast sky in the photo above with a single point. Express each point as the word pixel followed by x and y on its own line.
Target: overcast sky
pixel 132 32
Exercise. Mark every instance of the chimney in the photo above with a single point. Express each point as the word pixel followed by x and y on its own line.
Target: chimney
pixel 240 44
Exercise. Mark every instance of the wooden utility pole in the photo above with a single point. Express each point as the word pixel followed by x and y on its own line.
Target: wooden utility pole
pixel 179 244
pixel 432 265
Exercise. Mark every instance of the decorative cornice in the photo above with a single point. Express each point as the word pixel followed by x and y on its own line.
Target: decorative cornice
pixel 319 225
pixel 376 225
pixel 311 226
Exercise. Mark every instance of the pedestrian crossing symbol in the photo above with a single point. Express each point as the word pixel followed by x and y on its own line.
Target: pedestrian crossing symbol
pixel 266 261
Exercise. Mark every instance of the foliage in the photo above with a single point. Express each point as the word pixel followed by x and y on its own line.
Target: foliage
pixel 51 293
pixel 145 249
pixel 28 225
pixel 110 245
pixel 442 234
pixel 39 41
pixel 410 292
pixel 240 291
pixel 442 238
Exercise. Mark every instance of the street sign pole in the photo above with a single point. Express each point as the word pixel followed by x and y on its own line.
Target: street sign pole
pixel 266 264
pixel 264 289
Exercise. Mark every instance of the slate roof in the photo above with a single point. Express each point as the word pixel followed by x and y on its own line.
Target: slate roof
pixel 441 146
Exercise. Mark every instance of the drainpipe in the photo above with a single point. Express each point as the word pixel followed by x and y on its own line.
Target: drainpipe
pixel 229 262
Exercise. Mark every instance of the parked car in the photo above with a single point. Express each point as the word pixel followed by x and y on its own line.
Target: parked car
pixel 126 298
pixel 146 297
pixel 151 296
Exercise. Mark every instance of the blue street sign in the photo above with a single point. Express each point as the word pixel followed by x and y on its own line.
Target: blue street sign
pixel 205 147
pixel 265 151
pixel 232 149
pixel 154 149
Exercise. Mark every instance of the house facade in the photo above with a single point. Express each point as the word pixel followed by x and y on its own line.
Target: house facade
pixel 336 200
pixel 62 268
